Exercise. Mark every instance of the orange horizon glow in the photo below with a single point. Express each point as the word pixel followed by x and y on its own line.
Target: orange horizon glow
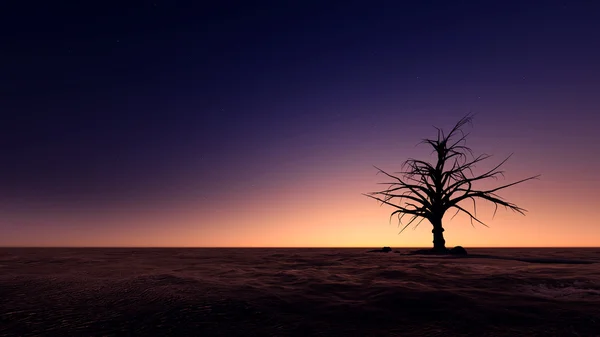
pixel 314 199
pixel 303 216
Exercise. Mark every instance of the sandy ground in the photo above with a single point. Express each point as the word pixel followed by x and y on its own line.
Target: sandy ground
pixel 297 292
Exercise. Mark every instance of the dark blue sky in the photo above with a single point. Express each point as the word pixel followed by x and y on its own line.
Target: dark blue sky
pixel 118 102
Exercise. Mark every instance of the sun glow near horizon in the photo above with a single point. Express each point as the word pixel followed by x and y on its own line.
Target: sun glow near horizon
pixel 307 217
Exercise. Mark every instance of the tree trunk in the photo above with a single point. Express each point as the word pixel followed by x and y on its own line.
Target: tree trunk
pixel 439 244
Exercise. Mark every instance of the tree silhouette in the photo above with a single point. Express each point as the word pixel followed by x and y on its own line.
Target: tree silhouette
pixel 427 191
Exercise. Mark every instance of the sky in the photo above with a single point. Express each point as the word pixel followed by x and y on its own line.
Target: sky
pixel 257 123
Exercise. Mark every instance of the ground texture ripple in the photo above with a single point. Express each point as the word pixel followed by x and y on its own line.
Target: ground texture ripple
pixel 298 292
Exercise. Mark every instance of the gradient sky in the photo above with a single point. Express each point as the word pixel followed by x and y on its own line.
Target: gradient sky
pixel 223 123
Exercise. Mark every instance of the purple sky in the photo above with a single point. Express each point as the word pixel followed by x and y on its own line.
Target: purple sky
pixel 124 123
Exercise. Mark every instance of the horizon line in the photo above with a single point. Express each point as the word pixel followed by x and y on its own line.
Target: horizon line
pixel 285 247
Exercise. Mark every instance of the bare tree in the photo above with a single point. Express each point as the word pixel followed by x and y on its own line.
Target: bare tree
pixel 427 191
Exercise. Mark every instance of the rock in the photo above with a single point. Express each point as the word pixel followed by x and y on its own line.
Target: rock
pixel 430 252
pixel 458 250
pixel 382 250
